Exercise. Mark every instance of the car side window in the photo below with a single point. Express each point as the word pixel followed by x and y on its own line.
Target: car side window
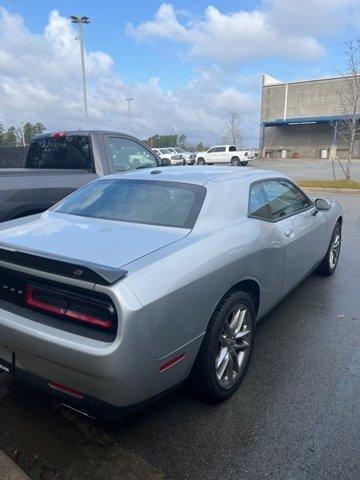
pixel 284 198
pixel 232 148
pixel 258 203
pixel 212 150
pixel 126 154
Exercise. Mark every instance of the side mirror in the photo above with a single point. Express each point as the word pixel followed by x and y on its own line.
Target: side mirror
pixel 322 205
pixel 165 162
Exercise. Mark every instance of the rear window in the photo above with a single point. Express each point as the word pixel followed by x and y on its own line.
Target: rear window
pixel 170 204
pixel 73 152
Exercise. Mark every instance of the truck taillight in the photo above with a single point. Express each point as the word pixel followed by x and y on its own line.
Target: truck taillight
pixel 65 304
pixel 58 135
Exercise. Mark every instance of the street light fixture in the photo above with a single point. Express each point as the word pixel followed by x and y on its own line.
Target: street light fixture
pixel 81 21
pixel 129 112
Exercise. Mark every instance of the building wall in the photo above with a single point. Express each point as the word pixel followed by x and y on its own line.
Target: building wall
pixel 317 98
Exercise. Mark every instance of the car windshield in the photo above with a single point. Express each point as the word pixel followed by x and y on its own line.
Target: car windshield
pixel 169 204
pixel 178 150
pixel 164 150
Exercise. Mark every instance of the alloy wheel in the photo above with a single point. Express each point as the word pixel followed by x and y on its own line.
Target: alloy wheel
pixel 335 250
pixel 234 346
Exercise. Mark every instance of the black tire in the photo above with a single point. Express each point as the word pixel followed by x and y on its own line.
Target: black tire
pixel 235 162
pixel 327 267
pixel 201 161
pixel 243 164
pixel 204 375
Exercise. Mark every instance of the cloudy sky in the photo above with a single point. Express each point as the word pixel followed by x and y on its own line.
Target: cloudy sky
pixel 185 63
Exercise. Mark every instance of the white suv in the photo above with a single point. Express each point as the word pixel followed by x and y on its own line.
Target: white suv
pixel 189 157
pixel 168 155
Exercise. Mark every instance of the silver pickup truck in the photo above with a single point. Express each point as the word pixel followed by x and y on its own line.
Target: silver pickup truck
pixel 58 163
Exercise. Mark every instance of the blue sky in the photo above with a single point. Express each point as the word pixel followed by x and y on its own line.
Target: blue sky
pixel 186 63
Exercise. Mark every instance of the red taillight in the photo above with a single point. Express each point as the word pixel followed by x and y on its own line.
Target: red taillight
pixel 66 305
pixel 58 135
pixel 86 318
pixel 47 307
pixel 65 389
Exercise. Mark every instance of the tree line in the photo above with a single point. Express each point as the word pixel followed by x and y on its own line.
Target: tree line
pixel 163 141
pixel 15 137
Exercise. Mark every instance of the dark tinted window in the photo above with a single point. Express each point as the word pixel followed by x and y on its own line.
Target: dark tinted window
pixel 258 203
pixel 216 149
pixel 128 155
pixel 284 198
pixel 138 201
pixel 232 148
pixel 72 152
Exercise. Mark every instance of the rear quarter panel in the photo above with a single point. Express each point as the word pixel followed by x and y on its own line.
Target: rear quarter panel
pixel 181 285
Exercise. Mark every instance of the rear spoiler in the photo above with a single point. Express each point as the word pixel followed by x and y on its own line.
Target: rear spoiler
pixel 58 265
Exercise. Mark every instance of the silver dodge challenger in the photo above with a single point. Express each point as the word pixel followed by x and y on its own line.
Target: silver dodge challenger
pixel 140 281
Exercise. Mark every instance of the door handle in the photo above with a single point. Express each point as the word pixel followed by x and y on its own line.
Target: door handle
pixel 289 233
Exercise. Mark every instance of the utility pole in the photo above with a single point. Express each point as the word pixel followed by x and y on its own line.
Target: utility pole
pixel 81 21
pixel 129 100
pixel 22 133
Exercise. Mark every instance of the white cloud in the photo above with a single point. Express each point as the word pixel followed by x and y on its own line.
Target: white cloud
pixel 287 29
pixel 40 81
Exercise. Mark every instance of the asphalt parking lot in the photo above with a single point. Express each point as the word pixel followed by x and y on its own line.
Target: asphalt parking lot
pixel 305 169
pixel 296 415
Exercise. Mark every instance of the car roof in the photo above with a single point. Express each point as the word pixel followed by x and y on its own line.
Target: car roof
pixel 199 175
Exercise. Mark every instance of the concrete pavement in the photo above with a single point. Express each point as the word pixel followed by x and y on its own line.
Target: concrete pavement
pixel 302 169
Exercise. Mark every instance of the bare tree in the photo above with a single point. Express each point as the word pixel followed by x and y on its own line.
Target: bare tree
pixel 349 98
pixel 233 130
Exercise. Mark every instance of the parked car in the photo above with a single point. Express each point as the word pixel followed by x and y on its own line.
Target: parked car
pixel 168 156
pixel 226 154
pixel 59 163
pixel 188 157
pixel 85 316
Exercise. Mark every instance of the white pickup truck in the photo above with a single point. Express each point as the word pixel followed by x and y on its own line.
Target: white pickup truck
pixel 226 154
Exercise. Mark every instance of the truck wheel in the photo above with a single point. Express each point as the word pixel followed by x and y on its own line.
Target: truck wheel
pixel 201 161
pixel 243 164
pixel 226 349
pixel 235 162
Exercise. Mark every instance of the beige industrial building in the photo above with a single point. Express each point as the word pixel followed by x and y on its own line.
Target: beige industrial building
pixel 302 119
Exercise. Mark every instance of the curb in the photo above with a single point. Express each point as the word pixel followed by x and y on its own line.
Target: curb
pixel 355 191
pixel 9 470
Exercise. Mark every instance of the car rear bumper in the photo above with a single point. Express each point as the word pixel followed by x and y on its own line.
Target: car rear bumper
pixel 116 376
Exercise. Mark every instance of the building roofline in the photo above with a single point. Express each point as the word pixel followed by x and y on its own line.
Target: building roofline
pixel 321 79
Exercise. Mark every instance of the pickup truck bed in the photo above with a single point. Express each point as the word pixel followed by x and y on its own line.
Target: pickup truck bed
pixel 59 163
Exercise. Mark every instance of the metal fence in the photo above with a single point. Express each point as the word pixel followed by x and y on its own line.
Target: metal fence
pixel 12 157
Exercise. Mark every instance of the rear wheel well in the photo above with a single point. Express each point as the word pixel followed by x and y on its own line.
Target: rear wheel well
pixel 250 287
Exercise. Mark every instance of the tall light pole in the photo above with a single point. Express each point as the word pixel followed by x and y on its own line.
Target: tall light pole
pixel 129 100
pixel 81 21
pixel 22 133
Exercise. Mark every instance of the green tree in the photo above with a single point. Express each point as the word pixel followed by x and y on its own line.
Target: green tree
pixel 30 130
pixel 2 135
pixel 10 138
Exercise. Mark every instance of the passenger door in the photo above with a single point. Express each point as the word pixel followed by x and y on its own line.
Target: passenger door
pixel 301 226
pixel 223 155
pixel 212 155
